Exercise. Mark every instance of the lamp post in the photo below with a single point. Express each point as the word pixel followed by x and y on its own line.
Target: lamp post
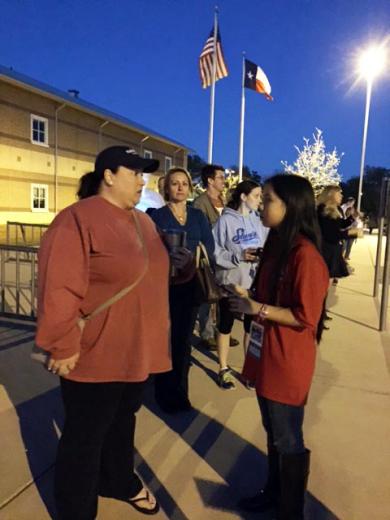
pixel 371 63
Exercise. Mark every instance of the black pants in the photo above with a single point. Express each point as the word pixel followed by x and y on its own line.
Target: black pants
pixel 227 317
pixel 96 451
pixel 172 387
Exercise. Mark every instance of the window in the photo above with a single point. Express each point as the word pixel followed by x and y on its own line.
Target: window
pixel 39 130
pixel 168 163
pixel 148 154
pixel 39 197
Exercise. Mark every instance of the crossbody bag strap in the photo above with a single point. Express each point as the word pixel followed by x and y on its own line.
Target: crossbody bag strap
pixel 202 251
pixel 126 290
pixel 197 256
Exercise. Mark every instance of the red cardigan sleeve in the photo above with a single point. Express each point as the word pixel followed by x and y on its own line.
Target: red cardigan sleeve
pixel 310 286
pixel 63 274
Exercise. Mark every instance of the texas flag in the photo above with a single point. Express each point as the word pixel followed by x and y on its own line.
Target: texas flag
pixel 255 79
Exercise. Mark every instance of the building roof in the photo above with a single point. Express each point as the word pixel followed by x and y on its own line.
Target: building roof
pixel 16 78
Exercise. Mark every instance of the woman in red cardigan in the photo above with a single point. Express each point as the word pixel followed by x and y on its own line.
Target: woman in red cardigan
pixel 288 302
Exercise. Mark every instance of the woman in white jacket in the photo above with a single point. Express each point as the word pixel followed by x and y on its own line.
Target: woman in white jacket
pixel 238 234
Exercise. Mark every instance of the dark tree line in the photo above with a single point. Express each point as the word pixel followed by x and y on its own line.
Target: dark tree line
pixel 372 182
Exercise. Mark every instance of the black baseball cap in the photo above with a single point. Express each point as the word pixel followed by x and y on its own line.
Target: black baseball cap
pixel 115 156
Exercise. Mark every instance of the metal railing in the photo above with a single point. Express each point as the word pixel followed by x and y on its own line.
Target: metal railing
pixel 18 279
pixel 384 218
pixel 24 233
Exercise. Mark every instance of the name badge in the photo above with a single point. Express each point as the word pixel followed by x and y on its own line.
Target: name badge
pixel 256 336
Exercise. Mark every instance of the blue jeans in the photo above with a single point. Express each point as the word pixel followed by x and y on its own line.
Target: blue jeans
pixel 283 424
pixel 347 246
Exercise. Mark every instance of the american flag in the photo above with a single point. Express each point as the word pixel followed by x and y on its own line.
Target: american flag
pixel 206 61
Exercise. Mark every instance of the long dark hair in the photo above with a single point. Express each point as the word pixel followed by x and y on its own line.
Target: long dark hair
pixel 244 187
pixel 300 219
pixel 89 183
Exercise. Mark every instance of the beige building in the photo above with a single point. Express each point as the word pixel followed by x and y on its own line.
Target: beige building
pixel 49 138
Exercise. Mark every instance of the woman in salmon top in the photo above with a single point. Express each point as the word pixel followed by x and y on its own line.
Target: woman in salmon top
pixel 92 250
pixel 288 303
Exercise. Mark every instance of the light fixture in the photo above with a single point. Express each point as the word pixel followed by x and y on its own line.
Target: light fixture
pixel 372 62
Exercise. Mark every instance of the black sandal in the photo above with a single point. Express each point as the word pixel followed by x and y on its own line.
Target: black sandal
pixel 134 503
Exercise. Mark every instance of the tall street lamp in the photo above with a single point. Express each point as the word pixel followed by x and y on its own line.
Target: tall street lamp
pixel 371 64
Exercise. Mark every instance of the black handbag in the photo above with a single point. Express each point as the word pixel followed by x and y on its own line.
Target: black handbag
pixel 206 287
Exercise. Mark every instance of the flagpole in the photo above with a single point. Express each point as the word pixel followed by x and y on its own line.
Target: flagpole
pixel 212 92
pixel 242 121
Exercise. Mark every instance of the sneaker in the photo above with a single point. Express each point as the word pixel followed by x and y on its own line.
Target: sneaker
pixel 225 379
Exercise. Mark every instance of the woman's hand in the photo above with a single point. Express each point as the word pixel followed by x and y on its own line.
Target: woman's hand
pixel 236 290
pixel 181 257
pixel 355 232
pixel 249 255
pixel 243 305
pixel 62 367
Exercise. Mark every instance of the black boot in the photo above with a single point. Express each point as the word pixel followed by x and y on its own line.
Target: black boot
pixel 267 498
pixel 294 473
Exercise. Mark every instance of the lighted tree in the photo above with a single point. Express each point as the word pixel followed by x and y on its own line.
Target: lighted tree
pixel 315 163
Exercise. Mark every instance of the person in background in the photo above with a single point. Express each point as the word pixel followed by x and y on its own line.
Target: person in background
pixel 334 229
pixel 348 204
pixel 211 203
pixel 155 199
pixel 287 310
pixel 372 222
pixel 160 185
pixel 239 235
pixel 92 250
pixel 356 224
pixel 348 209
pixel 171 389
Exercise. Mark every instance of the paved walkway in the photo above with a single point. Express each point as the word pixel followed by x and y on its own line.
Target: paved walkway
pixel 200 463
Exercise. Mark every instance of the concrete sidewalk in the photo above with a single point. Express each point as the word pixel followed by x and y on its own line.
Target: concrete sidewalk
pixel 200 463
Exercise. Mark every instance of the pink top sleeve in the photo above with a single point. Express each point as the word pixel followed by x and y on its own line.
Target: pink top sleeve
pixel 62 284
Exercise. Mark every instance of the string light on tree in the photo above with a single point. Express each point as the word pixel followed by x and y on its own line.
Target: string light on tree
pixel 315 163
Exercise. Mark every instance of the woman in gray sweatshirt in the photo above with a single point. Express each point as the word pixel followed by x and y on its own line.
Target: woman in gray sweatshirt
pixel 238 235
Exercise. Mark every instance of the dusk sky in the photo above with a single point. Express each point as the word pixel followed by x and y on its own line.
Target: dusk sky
pixel 139 58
